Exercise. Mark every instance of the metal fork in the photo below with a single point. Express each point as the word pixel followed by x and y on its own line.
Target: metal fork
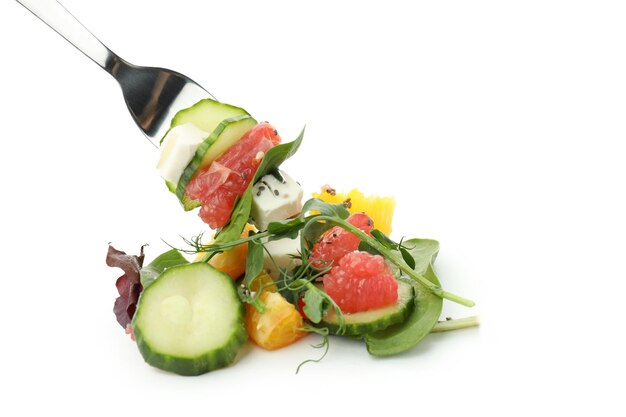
pixel 152 95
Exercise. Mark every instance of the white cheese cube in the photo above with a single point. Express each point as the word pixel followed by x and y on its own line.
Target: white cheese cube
pixel 275 196
pixel 282 252
pixel 178 149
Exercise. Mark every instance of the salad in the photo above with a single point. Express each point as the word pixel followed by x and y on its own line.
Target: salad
pixel 277 267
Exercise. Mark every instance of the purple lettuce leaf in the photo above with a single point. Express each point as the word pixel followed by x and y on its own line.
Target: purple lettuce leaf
pixel 128 285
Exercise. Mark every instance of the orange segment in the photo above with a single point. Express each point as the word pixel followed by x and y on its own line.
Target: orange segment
pixel 278 326
pixel 264 282
pixel 233 261
pixel 380 209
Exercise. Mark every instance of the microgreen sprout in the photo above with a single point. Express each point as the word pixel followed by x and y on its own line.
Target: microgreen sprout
pixel 323 344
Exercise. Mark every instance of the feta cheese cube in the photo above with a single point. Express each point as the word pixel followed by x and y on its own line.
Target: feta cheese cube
pixel 282 252
pixel 275 196
pixel 177 150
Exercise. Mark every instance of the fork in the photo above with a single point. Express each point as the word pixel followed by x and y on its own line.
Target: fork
pixel 153 95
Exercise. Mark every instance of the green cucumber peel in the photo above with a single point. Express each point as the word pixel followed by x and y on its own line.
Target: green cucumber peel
pixel 204 114
pixel 187 203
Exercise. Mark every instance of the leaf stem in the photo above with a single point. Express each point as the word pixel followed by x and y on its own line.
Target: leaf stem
pixel 456 324
pixel 209 249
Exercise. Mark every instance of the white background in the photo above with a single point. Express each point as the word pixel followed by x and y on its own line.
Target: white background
pixel 498 127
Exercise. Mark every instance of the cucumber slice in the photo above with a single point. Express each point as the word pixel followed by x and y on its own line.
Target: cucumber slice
pixel 190 320
pixel 223 137
pixel 364 322
pixel 206 115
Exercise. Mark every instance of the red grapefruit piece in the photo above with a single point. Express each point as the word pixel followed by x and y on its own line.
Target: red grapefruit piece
pixel 361 281
pixel 218 187
pixel 337 241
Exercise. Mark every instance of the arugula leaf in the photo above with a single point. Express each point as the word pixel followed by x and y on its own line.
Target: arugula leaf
pixel 241 212
pixel 155 268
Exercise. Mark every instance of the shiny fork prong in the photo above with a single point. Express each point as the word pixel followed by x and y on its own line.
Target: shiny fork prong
pixel 154 95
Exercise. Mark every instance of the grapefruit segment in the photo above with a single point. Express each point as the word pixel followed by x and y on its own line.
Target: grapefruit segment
pixel 369 321
pixel 337 241
pixel 218 186
pixel 361 281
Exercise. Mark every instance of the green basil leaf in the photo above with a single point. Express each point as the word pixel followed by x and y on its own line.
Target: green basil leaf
pixel 165 260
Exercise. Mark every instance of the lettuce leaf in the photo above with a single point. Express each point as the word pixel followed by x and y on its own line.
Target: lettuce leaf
pixel 128 285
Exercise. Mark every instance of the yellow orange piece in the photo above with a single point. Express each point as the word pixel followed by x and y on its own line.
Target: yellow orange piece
pixel 380 209
pixel 278 326
pixel 264 282
pixel 233 261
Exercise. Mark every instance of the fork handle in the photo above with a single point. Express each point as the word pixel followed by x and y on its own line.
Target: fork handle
pixel 55 15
